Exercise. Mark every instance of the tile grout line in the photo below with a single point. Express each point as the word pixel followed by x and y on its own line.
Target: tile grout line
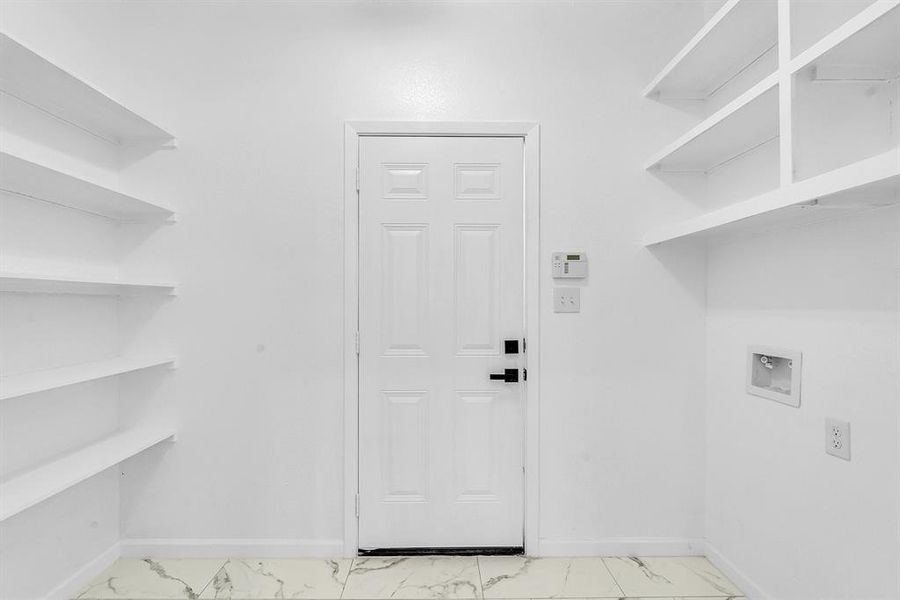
pixel 213 578
pixel 347 578
pixel 611 574
pixel 480 576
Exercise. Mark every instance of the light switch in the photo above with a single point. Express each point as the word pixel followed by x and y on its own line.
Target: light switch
pixel 567 299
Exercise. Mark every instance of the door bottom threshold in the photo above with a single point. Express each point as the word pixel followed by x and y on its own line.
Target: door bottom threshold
pixel 460 551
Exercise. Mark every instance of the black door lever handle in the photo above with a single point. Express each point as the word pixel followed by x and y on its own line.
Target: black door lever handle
pixel 508 376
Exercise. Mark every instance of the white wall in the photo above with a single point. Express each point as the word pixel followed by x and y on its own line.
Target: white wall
pixel 258 94
pixel 800 523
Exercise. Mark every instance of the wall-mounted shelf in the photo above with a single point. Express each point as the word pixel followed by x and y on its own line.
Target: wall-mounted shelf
pixel 33 79
pixel 23 491
pixel 865 47
pixel 13 386
pixel 35 283
pixel 25 178
pixel 866 184
pixel 737 35
pixel 742 125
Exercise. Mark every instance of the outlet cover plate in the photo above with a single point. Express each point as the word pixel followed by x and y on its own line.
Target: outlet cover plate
pixel 837 438
pixel 567 299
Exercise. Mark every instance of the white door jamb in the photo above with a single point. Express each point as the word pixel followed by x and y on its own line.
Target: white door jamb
pixel 530 133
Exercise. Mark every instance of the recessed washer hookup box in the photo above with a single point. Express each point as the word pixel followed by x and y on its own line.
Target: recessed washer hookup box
pixel 774 373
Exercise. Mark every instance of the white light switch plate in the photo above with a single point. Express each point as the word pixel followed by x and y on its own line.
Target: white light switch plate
pixel 567 299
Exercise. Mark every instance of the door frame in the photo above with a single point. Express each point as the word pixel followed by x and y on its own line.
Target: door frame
pixel 530 133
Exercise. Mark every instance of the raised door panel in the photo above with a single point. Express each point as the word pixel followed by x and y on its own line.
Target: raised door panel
pixel 475 460
pixel 477 181
pixel 477 289
pixel 405 454
pixel 405 268
pixel 405 181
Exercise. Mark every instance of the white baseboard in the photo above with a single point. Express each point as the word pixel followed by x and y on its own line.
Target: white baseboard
pixel 230 548
pixel 744 583
pixel 83 576
pixel 622 547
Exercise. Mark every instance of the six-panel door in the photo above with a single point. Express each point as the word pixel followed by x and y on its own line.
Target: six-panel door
pixel 441 287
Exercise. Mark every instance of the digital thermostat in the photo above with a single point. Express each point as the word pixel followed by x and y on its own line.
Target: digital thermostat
pixel 569 265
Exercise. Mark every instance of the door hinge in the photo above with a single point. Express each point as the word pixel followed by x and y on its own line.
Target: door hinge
pixel 357 179
pixel 356 340
pixel 357 506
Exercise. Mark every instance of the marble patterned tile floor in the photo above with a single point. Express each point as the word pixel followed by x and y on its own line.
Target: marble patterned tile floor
pixel 414 578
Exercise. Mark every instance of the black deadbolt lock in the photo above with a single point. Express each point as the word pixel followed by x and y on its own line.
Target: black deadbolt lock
pixel 510 346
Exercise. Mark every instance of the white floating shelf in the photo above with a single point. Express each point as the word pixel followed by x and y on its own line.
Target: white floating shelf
pixel 13 386
pixel 33 79
pixel 47 284
pixel 866 184
pixel 36 485
pixel 739 33
pixel 865 47
pixel 25 178
pixel 743 124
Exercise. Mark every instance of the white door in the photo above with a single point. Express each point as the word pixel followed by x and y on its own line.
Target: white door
pixel 441 288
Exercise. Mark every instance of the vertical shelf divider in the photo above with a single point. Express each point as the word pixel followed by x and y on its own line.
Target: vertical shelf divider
pixel 785 95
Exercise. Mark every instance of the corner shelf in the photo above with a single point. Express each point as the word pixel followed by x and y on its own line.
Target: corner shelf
pixel 34 283
pixel 737 35
pixel 742 125
pixel 13 386
pixel 866 184
pixel 23 491
pixel 869 40
pixel 32 180
pixel 35 80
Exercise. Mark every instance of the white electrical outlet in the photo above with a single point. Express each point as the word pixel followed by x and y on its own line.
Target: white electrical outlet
pixel 567 300
pixel 837 438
